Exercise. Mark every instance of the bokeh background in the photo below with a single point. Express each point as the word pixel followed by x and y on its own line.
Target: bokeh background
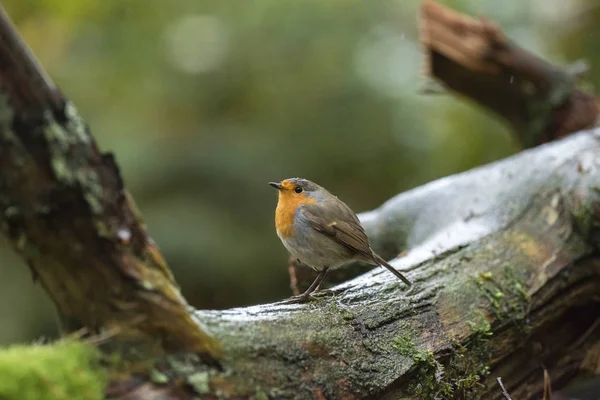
pixel 204 102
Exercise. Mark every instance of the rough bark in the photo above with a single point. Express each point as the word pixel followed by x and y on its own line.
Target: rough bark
pixel 473 58
pixel 504 261
pixel 65 210
pixel 506 271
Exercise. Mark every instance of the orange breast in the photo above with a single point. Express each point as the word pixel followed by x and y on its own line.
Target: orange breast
pixel 284 215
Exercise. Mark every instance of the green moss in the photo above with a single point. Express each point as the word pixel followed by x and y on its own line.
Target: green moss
pixel 260 395
pixel 479 324
pixel 345 312
pixel 63 371
pixel 61 168
pixel 76 124
pixel 94 192
pixel 433 382
pixel 430 382
pixel 506 295
pixel 158 377
pixel 200 381
pixel 68 168
pixel 486 275
pixel 466 369
pixel 469 364
pixel 405 346
pixel 458 377
pixel 191 369
pixel 583 216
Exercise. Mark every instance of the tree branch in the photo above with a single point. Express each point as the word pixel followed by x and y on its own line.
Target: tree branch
pixel 504 259
pixel 474 58
pixel 65 210
pixel 505 264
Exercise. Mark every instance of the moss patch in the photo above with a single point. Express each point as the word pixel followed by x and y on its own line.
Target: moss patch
pixel 430 381
pixel 460 375
pixel 459 372
pixel 506 295
pixel 63 371
pixel 583 212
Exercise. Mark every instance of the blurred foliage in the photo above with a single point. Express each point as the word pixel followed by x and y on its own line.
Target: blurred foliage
pixel 205 102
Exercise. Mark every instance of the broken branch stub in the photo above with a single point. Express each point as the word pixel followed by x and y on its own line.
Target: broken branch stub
pixel 475 59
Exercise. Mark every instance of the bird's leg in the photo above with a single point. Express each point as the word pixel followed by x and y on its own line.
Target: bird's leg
pixel 304 297
pixel 322 292
pixel 319 286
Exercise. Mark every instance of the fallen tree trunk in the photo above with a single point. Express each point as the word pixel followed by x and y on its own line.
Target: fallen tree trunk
pixel 504 259
pixel 507 279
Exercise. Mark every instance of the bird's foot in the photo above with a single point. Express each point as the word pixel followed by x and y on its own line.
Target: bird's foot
pixel 299 299
pixel 308 297
pixel 324 293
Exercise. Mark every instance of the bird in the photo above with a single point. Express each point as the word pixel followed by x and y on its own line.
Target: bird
pixel 321 231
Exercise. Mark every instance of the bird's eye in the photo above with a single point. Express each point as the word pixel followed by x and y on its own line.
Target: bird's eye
pixel 298 189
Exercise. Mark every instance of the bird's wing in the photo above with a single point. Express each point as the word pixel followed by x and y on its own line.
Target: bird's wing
pixel 339 222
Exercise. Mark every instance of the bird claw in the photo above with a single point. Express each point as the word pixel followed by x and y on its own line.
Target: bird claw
pixel 300 299
pixel 324 293
pixel 305 298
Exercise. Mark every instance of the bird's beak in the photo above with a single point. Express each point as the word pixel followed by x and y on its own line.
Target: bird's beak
pixel 276 185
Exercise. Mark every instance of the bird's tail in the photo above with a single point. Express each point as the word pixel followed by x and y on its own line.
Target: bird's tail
pixel 393 270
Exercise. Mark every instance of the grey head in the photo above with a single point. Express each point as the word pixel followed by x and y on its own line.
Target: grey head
pixel 301 185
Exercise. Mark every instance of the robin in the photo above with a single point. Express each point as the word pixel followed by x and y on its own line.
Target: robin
pixel 321 231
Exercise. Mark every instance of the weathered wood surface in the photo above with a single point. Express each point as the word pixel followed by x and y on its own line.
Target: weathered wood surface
pixel 504 260
pixel 64 208
pixel 507 279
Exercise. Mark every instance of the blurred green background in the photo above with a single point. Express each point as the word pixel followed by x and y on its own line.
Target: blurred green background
pixel 205 102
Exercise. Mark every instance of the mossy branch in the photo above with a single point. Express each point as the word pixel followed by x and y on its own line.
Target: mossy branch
pixel 64 208
pixel 504 260
pixel 505 264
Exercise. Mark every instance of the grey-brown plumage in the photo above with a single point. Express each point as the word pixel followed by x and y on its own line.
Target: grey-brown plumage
pixel 344 227
pixel 324 233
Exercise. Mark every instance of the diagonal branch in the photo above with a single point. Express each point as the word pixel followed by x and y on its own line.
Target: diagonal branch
pixel 65 210
pixel 504 259
pixel 475 59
